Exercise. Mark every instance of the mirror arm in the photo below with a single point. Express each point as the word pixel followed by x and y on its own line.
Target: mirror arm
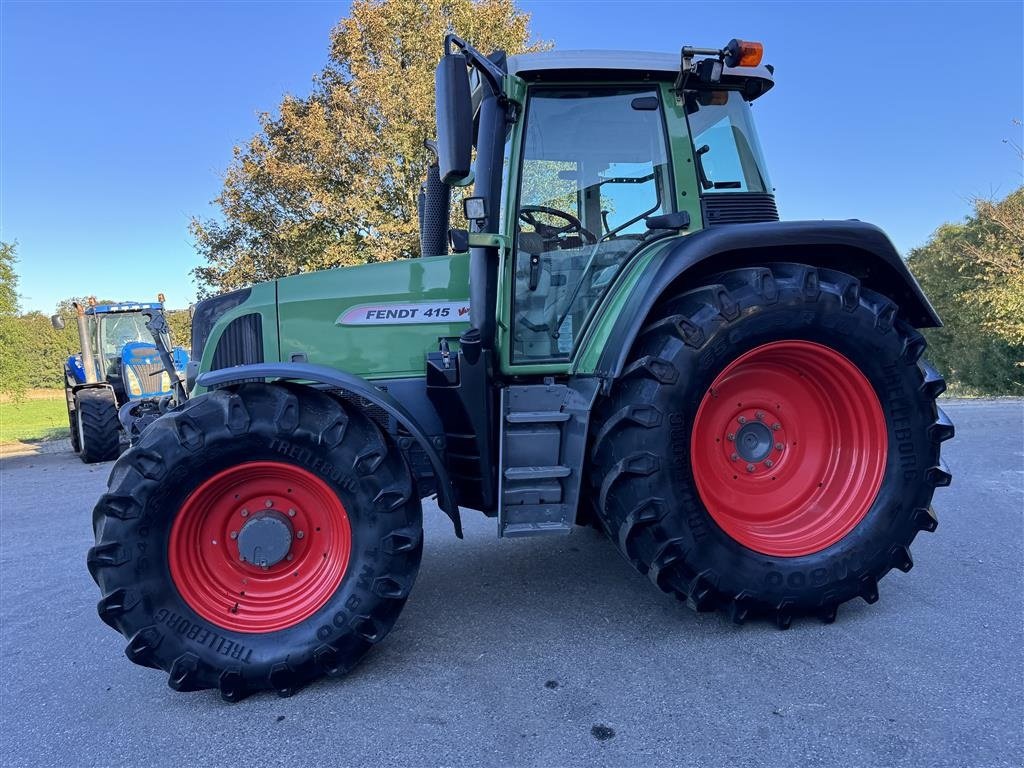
pixel 491 72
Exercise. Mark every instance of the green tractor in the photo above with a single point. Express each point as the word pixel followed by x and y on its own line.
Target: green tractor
pixel 626 337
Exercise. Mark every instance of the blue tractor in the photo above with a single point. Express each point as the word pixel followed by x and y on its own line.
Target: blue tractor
pixel 125 364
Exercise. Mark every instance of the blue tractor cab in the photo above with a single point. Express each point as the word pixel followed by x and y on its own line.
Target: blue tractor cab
pixel 118 363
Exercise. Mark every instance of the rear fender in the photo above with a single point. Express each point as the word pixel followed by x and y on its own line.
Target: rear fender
pixel 854 247
pixel 354 385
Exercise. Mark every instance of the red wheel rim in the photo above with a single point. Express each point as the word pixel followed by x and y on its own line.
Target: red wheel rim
pixel 206 561
pixel 825 456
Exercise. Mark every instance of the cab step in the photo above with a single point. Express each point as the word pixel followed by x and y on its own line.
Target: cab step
pixel 536 473
pixel 543 445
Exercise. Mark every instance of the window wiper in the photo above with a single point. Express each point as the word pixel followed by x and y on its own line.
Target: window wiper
pixel 707 183
pixel 698 155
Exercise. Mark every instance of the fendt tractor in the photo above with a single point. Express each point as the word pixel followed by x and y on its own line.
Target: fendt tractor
pixel 120 370
pixel 625 336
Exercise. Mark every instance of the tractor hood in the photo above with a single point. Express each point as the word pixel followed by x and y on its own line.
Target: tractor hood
pixel 375 320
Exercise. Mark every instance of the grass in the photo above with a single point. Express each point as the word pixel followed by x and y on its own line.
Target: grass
pixel 37 417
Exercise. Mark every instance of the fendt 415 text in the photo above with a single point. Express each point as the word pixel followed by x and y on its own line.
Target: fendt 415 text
pixel 624 336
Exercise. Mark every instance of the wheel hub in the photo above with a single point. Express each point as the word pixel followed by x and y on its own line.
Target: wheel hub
pixel 265 539
pixel 754 442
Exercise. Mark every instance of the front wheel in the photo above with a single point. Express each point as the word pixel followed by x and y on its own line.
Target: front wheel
pixel 256 540
pixel 773 446
pixel 97 426
pixel 76 442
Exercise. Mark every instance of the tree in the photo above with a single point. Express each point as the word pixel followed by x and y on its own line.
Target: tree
pixel 997 245
pixel 333 178
pixel 181 327
pixel 14 336
pixel 8 279
pixel 974 275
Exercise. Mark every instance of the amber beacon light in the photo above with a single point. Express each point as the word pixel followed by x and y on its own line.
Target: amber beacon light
pixel 743 53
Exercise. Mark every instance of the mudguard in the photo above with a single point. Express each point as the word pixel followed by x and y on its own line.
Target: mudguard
pixel 855 247
pixel 355 385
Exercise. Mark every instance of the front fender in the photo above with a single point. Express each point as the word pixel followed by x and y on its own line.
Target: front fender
pixel 856 247
pixel 352 384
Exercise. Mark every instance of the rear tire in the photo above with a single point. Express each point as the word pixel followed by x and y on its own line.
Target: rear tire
pixel 97 425
pixel 661 481
pixel 170 529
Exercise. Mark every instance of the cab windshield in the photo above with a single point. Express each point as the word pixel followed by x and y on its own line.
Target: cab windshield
pixel 594 166
pixel 116 330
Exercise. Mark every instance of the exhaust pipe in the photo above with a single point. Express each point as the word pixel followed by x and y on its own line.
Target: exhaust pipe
pixel 88 361
pixel 434 207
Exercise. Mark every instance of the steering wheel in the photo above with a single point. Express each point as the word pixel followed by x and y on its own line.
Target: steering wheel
pixel 550 231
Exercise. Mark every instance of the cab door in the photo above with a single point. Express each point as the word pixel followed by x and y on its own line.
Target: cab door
pixel 592 165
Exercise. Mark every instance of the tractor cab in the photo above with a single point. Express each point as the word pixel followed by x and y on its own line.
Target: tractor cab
pixel 583 160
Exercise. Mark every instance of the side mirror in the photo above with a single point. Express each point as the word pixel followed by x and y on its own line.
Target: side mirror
pixel 57 322
pixel 454 113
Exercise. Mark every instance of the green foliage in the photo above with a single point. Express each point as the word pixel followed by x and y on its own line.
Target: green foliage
pixel 181 327
pixel 8 279
pixel 332 179
pixel 974 275
pixel 14 337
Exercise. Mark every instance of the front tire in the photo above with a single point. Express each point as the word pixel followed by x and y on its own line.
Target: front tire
pixel 97 426
pixel 69 399
pixel 773 445
pixel 256 540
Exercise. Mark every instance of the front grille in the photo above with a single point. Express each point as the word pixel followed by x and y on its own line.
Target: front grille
pixel 241 343
pixel 150 377
pixel 207 312
pixel 738 208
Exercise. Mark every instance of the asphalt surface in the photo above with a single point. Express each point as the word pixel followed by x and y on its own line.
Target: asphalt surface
pixel 552 652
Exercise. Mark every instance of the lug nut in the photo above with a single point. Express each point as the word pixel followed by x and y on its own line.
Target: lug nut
pixel 759 415
pixel 742 419
pixel 735 457
pixel 291 513
pixel 731 437
pixel 289 557
pixel 299 535
pixel 776 426
pixel 779 446
pixel 234 534
pixel 768 463
pixel 245 513
pixel 750 467
pixel 268 503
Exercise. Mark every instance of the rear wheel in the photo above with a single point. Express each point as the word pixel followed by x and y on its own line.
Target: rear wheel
pixel 96 424
pixel 801 444
pixel 256 540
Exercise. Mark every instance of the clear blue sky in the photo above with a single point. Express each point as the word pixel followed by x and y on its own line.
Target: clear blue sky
pixel 117 120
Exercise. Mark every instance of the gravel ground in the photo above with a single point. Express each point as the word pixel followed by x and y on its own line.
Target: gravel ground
pixel 551 652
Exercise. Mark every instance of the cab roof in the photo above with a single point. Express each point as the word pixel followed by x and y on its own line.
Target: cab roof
pixel 124 306
pixel 660 64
